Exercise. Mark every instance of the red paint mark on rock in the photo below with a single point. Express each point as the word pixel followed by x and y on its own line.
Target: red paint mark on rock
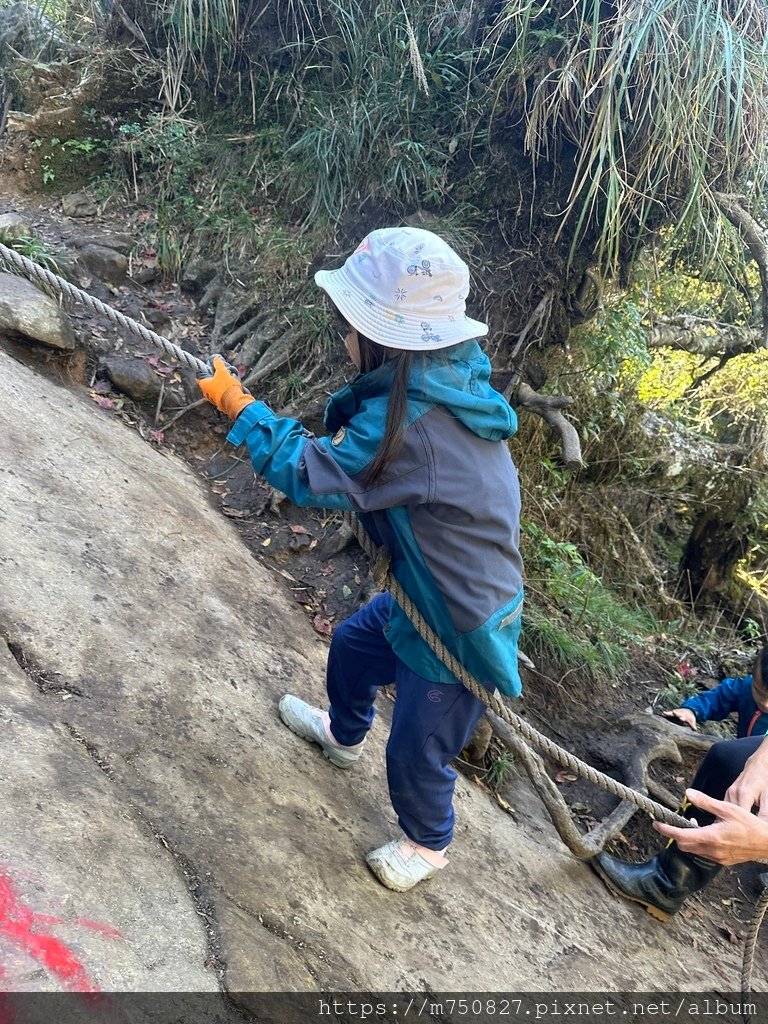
pixel 103 929
pixel 21 925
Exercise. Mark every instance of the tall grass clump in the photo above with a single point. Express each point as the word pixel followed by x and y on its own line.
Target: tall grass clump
pixel 657 106
pixel 634 115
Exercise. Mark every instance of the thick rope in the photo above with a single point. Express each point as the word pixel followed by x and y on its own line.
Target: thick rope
pixel 64 288
pixel 385 580
pixel 750 942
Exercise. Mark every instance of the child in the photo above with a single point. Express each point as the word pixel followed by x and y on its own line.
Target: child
pixel 746 694
pixel 417 448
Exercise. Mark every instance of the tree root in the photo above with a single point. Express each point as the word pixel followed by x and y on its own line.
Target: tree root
pixel 276 356
pixel 649 739
pixel 550 407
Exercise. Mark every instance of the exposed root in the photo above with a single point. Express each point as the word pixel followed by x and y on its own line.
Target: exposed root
pixel 649 739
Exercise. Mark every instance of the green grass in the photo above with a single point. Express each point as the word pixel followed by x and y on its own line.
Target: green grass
pixel 549 637
pixel 501 768
pixel 654 109
pixel 574 618
pixel 47 255
pixel 663 106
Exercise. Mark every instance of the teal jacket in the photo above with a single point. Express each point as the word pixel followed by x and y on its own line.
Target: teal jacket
pixel 447 508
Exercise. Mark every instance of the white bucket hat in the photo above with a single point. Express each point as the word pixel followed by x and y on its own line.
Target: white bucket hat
pixel 404 288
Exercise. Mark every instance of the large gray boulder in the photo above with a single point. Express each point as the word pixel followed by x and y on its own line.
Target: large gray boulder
pixel 143 758
pixel 14 225
pixel 26 310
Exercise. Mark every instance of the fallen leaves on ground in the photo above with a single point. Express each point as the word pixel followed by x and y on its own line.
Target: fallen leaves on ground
pixel 322 625
pixel 239 513
pixel 103 403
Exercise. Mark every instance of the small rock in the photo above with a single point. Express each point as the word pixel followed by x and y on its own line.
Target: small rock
pixel 300 541
pixel 30 312
pixel 78 204
pixel 13 225
pixel 337 541
pixel 479 741
pixel 145 275
pixel 158 317
pixel 133 376
pixel 120 241
pixel 197 274
pixel 105 264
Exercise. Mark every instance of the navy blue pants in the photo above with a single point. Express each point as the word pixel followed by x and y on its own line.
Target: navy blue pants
pixel 722 765
pixel 431 722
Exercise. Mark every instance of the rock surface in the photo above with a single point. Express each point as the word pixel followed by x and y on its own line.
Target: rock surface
pixel 134 377
pixel 78 204
pixel 144 756
pixel 13 225
pixel 28 311
pixel 104 263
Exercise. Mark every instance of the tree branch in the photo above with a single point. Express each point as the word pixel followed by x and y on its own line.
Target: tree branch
pixel 755 239
pixel 704 337
pixel 549 408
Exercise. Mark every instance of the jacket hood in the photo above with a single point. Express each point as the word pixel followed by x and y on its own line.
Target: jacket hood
pixel 456 378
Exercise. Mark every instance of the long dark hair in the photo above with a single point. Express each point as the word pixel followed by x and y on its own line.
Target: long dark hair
pixel 372 356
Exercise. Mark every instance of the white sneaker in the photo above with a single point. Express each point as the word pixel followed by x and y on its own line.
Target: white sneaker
pixel 309 723
pixel 402 864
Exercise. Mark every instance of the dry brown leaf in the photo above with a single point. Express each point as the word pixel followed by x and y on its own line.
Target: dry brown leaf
pixel 322 625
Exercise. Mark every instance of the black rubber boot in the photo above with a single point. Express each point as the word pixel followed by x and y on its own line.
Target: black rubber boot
pixel 661 884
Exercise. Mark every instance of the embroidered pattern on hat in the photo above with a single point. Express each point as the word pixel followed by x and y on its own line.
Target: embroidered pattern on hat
pixel 423 268
pixel 400 294
pixel 429 336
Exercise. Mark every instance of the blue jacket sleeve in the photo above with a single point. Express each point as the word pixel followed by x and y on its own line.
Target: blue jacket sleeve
pixel 312 471
pixel 715 705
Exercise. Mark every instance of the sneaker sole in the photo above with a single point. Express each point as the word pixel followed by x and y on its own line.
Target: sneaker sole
pixel 393 886
pixel 650 908
pixel 374 867
pixel 311 739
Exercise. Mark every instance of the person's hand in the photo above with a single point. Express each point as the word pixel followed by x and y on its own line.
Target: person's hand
pixel 750 789
pixel 683 715
pixel 735 837
pixel 220 384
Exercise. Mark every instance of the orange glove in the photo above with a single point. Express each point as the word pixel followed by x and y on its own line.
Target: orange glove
pixel 221 386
